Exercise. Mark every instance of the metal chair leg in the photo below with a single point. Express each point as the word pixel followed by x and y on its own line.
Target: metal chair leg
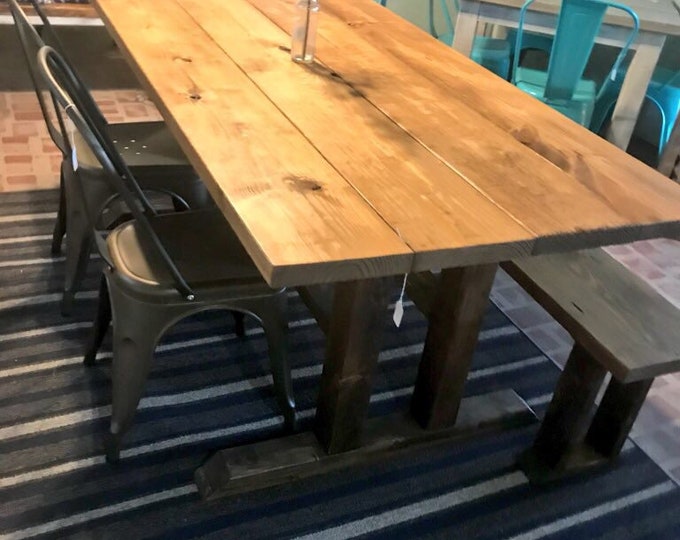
pixel 101 323
pixel 136 329
pixel 239 323
pixel 272 313
pixel 78 241
pixel 132 357
pixel 77 259
pixel 60 223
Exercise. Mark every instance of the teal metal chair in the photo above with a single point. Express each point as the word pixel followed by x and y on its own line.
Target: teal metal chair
pixel 562 86
pixel 663 92
pixel 492 53
pixel 530 41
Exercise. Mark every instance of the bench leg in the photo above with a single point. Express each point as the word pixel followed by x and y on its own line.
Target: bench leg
pixel 566 420
pixel 615 416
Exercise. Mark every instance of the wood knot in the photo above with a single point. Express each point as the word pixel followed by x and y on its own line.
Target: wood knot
pixel 183 59
pixel 302 184
pixel 530 137
pixel 195 96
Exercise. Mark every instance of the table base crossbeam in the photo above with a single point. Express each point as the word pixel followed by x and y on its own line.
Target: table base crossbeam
pixel 280 461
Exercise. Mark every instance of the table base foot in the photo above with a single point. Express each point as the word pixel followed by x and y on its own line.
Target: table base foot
pixel 278 461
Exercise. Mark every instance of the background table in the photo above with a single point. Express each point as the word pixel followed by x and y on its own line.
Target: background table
pixel 658 18
pixel 392 154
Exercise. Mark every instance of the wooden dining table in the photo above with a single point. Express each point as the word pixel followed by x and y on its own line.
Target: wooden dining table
pixel 391 154
pixel 658 20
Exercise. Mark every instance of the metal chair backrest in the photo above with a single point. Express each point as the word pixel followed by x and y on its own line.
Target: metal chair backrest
pixel 50 37
pixel 578 24
pixel 76 104
pixel 31 42
pixel 47 33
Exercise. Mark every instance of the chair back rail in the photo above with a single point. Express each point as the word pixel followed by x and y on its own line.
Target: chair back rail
pixel 31 42
pixel 77 103
pixel 578 25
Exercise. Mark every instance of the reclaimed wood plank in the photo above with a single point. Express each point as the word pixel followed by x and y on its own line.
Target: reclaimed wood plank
pixel 399 177
pixel 462 110
pixel 297 217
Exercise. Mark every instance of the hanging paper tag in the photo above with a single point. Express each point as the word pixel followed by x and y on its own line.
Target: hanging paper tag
pixel 398 312
pixel 399 305
pixel 71 129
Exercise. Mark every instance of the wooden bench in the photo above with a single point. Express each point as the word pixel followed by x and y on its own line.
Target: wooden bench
pixel 621 326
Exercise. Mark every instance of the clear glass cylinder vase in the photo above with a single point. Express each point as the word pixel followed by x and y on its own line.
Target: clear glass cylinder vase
pixel 304 32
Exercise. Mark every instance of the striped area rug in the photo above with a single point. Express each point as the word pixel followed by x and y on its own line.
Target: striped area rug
pixel 210 389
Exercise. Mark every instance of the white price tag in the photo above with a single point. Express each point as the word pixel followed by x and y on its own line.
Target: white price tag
pixel 398 314
pixel 71 129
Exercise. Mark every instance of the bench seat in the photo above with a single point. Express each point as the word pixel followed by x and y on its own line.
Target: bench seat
pixel 620 325
pixel 621 320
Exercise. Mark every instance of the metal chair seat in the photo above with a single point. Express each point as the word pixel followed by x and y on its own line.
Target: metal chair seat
pixel 203 264
pixel 579 106
pixel 148 144
pixel 139 294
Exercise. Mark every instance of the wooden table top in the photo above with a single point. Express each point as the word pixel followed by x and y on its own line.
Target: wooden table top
pixel 659 16
pixel 393 153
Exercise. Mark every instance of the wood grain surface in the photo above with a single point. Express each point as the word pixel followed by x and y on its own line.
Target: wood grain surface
pixel 300 221
pixel 624 323
pixel 562 182
pixel 392 170
pixel 391 153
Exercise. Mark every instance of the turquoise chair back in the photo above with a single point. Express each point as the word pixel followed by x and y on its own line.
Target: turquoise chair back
pixel 663 92
pixel 578 24
pixel 447 35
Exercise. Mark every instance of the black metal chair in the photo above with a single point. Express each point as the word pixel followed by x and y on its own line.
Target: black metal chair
pixel 157 272
pixel 147 147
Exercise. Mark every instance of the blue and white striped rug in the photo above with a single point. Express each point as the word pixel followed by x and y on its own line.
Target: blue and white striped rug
pixel 210 389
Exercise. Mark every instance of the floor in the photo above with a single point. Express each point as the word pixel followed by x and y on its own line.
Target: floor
pixel 30 161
